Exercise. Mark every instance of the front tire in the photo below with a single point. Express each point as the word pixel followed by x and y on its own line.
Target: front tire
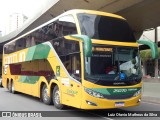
pixel 45 98
pixel 56 98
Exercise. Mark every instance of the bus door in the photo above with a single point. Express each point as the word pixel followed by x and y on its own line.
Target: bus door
pixel 71 86
pixel 71 91
pixel 69 53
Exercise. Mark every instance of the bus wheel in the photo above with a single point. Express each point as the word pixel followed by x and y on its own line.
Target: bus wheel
pixel 45 98
pixel 8 84
pixel 1 82
pixel 56 98
pixel 12 88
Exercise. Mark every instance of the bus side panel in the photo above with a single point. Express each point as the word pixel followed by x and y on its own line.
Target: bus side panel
pixel 69 88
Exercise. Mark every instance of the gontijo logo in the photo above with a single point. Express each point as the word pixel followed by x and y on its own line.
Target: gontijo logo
pixel 13 58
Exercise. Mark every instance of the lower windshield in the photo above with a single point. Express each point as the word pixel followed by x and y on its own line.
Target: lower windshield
pixel 113 64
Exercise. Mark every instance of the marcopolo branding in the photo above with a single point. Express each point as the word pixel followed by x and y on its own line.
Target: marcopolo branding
pixel 119 83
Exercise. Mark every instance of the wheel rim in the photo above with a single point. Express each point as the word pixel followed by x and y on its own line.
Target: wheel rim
pixel 57 97
pixel 45 94
pixel 8 85
pixel 12 87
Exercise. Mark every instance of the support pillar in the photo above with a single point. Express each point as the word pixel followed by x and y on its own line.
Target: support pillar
pixel 156 60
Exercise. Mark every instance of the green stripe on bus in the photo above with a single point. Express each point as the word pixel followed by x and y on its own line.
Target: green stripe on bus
pixel 116 91
pixel 29 79
pixel 40 51
pixel 30 53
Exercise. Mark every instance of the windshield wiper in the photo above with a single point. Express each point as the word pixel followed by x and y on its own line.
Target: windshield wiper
pixel 101 78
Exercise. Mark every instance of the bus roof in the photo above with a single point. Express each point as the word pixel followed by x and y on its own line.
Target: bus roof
pixel 92 12
pixel 73 11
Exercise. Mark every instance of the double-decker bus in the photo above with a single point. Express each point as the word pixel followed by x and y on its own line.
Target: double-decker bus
pixel 82 58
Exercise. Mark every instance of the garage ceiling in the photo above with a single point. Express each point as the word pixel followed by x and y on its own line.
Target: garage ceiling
pixel 141 14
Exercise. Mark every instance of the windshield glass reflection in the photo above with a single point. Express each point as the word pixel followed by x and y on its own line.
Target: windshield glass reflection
pixel 113 63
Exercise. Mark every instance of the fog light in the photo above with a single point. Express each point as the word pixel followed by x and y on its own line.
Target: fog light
pixel 91 103
pixel 139 100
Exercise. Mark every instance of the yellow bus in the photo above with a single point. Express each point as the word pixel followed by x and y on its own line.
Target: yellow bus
pixel 82 58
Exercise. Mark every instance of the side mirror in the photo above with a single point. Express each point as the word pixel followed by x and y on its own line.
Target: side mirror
pixel 87 44
pixel 153 46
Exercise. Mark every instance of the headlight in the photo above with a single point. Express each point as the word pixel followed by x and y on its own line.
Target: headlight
pixel 137 93
pixel 93 93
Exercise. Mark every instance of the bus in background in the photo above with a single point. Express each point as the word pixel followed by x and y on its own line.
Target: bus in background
pixel 82 58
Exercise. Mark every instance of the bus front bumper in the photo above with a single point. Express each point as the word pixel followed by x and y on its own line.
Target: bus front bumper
pixel 90 102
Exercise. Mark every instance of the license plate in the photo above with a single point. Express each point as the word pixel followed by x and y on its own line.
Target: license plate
pixel 119 104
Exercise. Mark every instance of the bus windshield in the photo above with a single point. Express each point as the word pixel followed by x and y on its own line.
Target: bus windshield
pixel 113 64
pixel 105 28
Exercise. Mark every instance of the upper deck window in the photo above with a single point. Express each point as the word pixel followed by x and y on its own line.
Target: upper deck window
pixel 61 27
pixel 105 28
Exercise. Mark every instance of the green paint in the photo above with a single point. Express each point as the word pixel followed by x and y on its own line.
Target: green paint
pixel 40 51
pixel 58 70
pixel 30 53
pixel 101 90
pixel 116 91
pixel 29 79
pixel 153 46
pixel 87 44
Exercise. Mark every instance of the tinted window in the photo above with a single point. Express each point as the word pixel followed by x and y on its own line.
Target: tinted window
pixel 105 28
pixel 67 25
pixel 69 53
pixel 33 68
pixel 9 48
pixel 108 63
pixel 64 26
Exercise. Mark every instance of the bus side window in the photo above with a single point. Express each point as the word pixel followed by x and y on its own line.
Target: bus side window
pixel 28 41
pixel 55 30
pixel 48 32
pixel 68 25
pixel 20 44
pixel 33 41
pixel 69 53
pixel 10 48
pixel 5 49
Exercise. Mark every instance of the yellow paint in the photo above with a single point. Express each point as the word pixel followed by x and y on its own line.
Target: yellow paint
pixel 131 44
pixel 96 13
pixel 71 91
pixel 107 104
pixel 104 103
